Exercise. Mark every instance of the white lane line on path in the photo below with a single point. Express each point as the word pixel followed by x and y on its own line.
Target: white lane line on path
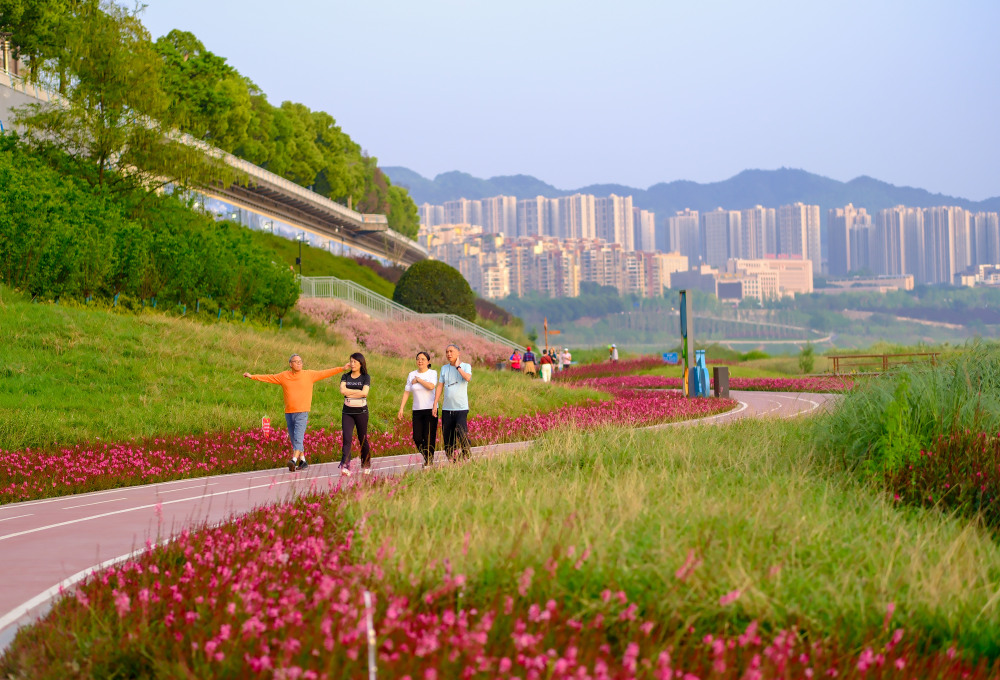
pixel 84 505
pixel 16 517
pixel 188 488
pixel 139 507
pixel 88 494
pixel 14 614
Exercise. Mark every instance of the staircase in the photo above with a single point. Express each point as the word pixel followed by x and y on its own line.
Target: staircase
pixel 373 304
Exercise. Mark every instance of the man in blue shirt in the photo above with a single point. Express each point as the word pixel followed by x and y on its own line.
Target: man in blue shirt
pixel 453 386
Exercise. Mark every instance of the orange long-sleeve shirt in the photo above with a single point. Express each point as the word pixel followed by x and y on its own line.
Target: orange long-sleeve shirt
pixel 297 387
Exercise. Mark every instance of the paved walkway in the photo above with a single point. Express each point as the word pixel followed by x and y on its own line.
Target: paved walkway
pixel 56 542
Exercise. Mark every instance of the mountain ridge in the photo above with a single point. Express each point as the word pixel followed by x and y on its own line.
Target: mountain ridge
pixel 746 189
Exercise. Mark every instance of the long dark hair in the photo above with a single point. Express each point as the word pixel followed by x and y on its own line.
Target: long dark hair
pixel 426 355
pixel 361 360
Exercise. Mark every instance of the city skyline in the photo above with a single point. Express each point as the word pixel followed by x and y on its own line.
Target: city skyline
pixel 581 95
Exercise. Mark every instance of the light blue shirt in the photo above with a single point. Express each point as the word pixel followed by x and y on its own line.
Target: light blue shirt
pixel 455 388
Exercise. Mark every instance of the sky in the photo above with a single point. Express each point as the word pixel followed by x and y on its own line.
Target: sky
pixel 634 92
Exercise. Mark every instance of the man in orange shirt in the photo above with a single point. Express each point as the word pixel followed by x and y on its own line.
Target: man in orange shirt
pixel 297 387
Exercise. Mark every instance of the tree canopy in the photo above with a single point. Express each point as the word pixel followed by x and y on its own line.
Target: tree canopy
pixel 125 94
pixel 433 287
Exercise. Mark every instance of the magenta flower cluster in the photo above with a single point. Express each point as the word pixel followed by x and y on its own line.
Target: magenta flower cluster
pixel 608 368
pixel 283 593
pixel 399 338
pixel 959 473
pixel 810 384
pixel 30 474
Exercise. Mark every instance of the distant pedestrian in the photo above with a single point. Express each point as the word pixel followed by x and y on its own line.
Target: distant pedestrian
pixel 529 362
pixel 545 365
pixel 422 383
pixel 614 353
pixel 515 361
pixel 297 388
pixel 453 394
pixel 354 386
pixel 566 359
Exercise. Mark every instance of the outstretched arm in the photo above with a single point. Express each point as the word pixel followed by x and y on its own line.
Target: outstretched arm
pixel 330 372
pixel 273 379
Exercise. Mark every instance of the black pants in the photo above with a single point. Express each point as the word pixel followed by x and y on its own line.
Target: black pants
pixel 348 421
pixel 455 431
pixel 425 432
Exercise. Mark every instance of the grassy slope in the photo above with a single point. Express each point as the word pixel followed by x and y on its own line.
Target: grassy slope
pixel 71 374
pixel 316 262
pixel 805 545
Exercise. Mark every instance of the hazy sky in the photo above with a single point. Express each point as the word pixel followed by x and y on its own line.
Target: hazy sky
pixel 580 92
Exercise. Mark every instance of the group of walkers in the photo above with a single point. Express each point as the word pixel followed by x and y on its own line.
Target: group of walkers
pixel 550 360
pixel 450 390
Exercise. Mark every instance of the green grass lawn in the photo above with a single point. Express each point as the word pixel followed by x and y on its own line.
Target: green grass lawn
pixel 73 374
pixel 316 262
pixel 804 544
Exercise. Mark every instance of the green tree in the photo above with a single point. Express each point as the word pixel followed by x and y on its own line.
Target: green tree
pixel 108 126
pixel 207 97
pixel 433 287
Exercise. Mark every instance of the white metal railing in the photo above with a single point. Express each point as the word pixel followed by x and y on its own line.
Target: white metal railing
pixel 372 303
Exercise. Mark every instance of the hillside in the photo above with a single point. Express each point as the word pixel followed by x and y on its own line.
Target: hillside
pixel 318 262
pixel 770 188
pixel 72 373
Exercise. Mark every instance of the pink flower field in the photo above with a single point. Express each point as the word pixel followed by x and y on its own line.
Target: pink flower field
pixel 399 338
pixel 641 382
pixel 283 593
pixel 30 474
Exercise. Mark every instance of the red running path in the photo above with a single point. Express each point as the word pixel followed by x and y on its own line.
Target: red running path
pixel 55 542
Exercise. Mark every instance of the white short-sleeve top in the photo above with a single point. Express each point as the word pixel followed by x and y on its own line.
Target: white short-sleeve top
pixel 423 398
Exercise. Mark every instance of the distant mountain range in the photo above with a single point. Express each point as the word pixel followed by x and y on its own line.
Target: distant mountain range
pixel 770 188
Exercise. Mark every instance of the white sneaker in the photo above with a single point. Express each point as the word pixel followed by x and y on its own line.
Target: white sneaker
pixel 345 472
pixel 366 471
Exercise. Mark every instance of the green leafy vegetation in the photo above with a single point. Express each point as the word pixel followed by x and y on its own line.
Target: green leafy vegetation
pixel 318 262
pixel 62 239
pixel 433 287
pixel 124 94
pixel 887 421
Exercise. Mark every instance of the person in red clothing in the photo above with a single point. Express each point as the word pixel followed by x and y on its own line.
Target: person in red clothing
pixel 297 387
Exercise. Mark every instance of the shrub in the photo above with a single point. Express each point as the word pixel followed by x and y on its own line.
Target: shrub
pixel 807 358
pixel 887 421
pixel 432 287
pixel 60 238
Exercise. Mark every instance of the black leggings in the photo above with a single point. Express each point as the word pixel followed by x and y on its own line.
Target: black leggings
pixel 425 430
pixel 348 421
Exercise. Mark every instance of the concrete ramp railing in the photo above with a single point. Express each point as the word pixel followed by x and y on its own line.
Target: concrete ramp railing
pixel 379 306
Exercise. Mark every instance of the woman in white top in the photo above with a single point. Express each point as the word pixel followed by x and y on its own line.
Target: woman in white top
pixel 422 383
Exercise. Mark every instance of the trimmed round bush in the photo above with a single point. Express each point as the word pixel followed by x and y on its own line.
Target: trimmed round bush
pixel 433 287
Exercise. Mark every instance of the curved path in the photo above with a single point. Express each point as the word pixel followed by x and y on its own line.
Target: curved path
pixel 53 543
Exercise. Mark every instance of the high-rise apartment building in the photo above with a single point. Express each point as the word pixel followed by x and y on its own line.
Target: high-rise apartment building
pixel 576 217
pixel 431 215
pixel 755 223
pixel 613 220
pixel 720 236
pixel 683 235
pixel 463 211
pixel 842 227
pixel 644 223
pixel 799 233
pixel 500 215
pixel 986 227
pixel 533 217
